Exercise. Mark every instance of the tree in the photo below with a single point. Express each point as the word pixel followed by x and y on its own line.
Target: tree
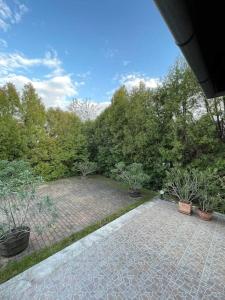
pixel 33 118
pixel 215 108
pixel 19 202
pixel 10 104
pixel 133 175
pixel 33 110
pixel 12 144
pixel 62 143
pixel 85 167
pixel 109 132
pixel 85 109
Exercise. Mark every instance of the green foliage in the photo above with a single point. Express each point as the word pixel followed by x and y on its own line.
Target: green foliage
pixel 133 175
pixel 210 191
pixel 159 128
pixel 85 167
pixel 182 184
pixel 172 124
pixel 62 144
pixel 204 188
pixel 11 131
pixel 18 197
pixel 50 140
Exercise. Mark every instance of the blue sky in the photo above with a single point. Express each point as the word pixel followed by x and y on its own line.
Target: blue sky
pixel 83 48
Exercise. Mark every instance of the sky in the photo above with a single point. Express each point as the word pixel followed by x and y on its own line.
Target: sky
pixel 83 48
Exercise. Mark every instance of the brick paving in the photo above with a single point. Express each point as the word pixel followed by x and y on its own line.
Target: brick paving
pixel 79 202
pixel 152 252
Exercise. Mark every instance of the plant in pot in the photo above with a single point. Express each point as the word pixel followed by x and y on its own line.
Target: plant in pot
pixel 85 167
pixel 20 206
pixel 208 195
pixel 133 175
pixel 182 185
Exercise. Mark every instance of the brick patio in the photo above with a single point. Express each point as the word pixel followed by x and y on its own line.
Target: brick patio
pixel 79 203
pixel 153 252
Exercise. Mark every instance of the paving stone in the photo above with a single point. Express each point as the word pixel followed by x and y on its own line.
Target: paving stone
pixel 79 203
pixel 152 252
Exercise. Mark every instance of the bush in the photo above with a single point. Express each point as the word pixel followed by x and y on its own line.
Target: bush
pixel 210 188
pixel 133 175
pixel 85 167
pixel 51 170
pixel 182 184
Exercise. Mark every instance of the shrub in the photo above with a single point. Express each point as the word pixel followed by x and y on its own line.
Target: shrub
pixel 51 170
pixel 19 200
pixel 85 167
pixel 210 187
pixel 182 184
pixel 133 175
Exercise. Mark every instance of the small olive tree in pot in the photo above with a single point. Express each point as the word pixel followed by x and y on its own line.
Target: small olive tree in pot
pixel 133 175
pixel 182 185
pixel 19 205
pixel 85 167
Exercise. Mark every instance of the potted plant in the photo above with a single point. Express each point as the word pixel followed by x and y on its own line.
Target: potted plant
pixel 133 175
pixel 85 167
pixel 208 195
pixel 182 185
pixel 206 208
pixel 19 203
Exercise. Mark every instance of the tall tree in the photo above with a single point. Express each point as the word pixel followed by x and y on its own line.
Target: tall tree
pixel 34 119
pixel 11 140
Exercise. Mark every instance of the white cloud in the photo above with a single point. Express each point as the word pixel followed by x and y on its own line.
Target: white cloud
pixel 11 14
pixel 55 87
pixel 54 91
pixel 11 61
pixel 133 81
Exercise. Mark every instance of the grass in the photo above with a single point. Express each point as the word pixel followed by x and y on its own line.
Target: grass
pixel 15 267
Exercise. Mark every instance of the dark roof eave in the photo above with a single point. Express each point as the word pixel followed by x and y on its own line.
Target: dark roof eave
pixel 176 16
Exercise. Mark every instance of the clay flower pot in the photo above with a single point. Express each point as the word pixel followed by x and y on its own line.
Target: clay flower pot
pixel 206 216
pixel 185 208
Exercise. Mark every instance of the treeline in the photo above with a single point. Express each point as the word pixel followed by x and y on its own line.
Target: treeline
pixel 173 124
pixel 49 139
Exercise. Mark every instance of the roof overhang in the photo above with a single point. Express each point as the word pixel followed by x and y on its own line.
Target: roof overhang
pixel 198 29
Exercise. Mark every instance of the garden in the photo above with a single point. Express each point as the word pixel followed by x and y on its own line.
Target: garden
pixel 62 177
pixel 38 219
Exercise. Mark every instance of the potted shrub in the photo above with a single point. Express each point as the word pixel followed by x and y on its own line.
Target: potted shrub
pixel 85 167
pixel 208 195
pixel 18 204
pixel 206 207
pixel 133 175
pixel 182 185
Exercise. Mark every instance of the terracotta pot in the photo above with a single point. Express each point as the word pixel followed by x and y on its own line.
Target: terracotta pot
pixel 206 216
pixel 185 208
pixel 15 241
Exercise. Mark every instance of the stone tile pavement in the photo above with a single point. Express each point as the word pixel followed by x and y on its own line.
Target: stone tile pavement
pixel 152 252
pixel 79 203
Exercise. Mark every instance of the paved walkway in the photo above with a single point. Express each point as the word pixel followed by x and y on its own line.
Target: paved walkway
pixel 79 202
pixel 152 252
